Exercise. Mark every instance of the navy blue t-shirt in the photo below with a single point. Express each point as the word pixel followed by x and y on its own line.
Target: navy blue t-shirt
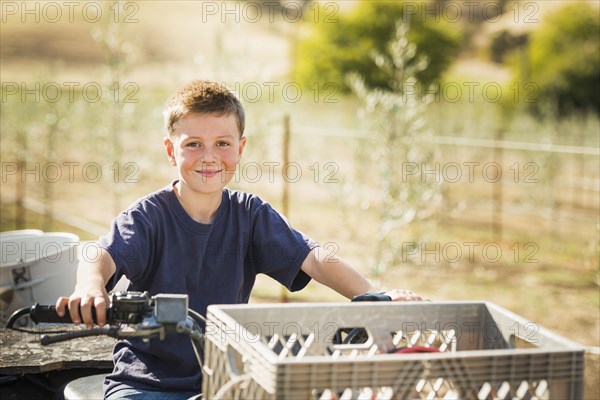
pixel 161 249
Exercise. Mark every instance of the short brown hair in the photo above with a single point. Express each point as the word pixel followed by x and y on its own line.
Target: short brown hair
pixel 203 97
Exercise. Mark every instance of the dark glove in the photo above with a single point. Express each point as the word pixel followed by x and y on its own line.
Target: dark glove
pixel 372 297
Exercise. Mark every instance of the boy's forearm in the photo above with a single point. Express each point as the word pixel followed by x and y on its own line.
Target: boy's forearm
pixel 344 279
pixel 336 274
pixel 97 271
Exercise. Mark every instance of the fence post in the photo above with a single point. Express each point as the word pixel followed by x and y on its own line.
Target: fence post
pixel 22 144
pixel 48 186
pixel 285 195
pixel 498 192
pixel 20 196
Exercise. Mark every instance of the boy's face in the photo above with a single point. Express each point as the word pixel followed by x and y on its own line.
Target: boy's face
pixel 205 149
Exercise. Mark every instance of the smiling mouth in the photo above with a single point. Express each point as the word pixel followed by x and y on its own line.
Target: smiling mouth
pixel 209 172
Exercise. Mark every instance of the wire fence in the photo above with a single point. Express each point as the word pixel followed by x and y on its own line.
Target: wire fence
pixel 539 179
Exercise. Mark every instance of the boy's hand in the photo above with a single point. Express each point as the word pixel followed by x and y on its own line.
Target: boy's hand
pixel 82 300
pixel 392 295
pixel 403 295
pixel 89 291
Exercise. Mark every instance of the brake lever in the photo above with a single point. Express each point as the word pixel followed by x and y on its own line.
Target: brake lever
pixel 62 337
pixel 145 330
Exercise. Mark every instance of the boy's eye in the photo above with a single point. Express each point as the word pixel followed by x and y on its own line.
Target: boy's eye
pixel 222 143
pixel 193 144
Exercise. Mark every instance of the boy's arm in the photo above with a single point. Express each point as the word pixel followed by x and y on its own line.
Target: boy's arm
pixel 90 290
pixel 337 274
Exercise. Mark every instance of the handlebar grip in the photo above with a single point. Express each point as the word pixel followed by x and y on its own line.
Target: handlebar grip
pixel 39 313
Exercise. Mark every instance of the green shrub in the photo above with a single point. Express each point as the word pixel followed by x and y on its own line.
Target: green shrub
pixel 334 47
pixel 564 57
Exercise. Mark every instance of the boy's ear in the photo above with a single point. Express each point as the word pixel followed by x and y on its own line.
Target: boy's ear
pixel 241 147
pixel 170 150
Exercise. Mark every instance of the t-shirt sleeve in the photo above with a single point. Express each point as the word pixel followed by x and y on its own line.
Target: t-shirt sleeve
pixel 128 244
pixel 278 249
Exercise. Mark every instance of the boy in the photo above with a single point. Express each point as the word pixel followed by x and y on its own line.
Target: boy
pixel 196 237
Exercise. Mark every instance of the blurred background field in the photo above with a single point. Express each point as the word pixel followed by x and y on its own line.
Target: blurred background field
pixel 81 138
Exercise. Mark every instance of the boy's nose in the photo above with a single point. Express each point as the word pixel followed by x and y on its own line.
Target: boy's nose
pixel 208 155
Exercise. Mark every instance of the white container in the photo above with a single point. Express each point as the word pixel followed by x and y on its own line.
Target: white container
pixel 36 267
pixel 22 232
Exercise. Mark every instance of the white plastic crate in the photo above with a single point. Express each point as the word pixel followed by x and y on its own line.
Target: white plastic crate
pixel 35 266
pixel 485 352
